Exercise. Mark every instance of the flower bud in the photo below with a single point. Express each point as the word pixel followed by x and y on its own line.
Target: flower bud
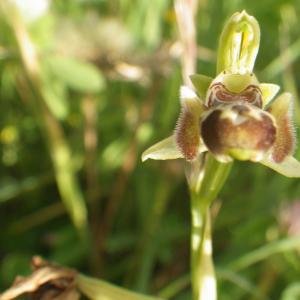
pixel 238 130
pixel 238 44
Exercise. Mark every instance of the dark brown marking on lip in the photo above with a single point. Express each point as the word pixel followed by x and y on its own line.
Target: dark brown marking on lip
pixel 220 94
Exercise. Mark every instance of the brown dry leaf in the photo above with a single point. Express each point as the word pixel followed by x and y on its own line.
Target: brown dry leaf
pixel 47 282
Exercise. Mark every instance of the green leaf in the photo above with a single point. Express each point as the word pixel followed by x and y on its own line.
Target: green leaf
pixel 78 75
pixel 55 96
pixel 96 289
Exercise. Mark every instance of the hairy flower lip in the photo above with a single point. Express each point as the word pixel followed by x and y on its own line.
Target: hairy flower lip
pixel 239 130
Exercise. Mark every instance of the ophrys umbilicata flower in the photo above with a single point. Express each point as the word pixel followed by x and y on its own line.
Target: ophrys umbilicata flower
pixel 233 116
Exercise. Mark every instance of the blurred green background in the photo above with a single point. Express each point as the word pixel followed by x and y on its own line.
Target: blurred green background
pixel 72 185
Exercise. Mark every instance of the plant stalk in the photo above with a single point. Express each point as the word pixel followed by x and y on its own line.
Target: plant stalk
pixel 203 274
pixel 203 190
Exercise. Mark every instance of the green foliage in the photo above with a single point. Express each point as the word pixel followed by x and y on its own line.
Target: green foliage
pixel 110 81
pixel 80 76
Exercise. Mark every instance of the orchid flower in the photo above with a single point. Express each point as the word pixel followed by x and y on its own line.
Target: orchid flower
pixel 234 116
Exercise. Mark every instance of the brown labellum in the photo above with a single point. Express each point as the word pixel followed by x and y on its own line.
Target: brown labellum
pixel 238 128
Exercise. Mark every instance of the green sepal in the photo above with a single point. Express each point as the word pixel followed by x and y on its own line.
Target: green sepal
pixel 289 167
pixel 163 150
pixel 201 84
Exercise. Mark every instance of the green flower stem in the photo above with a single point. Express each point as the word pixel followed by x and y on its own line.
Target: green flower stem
pixel 203 275
pixel 202 194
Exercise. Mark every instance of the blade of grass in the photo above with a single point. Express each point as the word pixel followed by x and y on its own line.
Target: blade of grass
pixel 255 256
pixel 14 189
pixel 175 287
pixel 283 61
pixel 148 246
pixel 242 283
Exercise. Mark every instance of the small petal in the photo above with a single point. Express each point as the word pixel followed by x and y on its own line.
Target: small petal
pixel 289 167
pixel 285 138
pixel 187 132
pixel 268 91
pixel 163 150
pixel 201 83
